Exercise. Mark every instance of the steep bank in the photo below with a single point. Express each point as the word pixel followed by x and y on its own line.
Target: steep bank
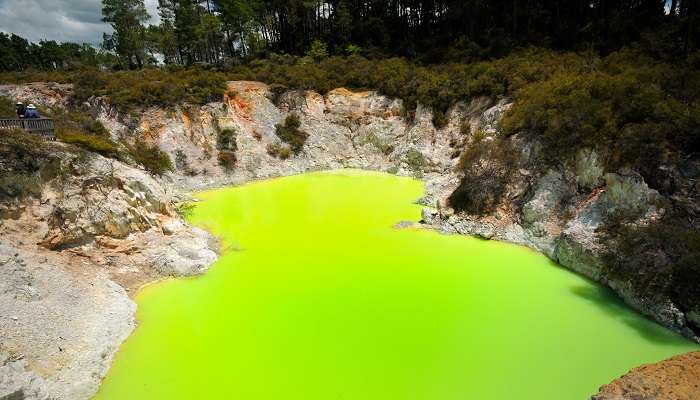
pixel 556 211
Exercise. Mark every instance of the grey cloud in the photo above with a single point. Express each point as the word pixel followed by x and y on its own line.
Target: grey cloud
pixel 61 20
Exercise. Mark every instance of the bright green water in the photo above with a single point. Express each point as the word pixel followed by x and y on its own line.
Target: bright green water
pixel 319 298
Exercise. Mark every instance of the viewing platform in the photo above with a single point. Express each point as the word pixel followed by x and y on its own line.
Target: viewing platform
pixel 39 126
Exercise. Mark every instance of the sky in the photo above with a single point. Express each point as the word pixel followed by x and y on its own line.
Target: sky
pixel 61 20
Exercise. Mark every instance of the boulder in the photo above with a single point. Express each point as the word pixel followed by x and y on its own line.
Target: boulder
pixel 677 378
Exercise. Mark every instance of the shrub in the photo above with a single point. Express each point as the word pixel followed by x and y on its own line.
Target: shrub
pixel 440 119
pixel 19 186
pixel 96 144
pixel 487 166
pixel 182 164
pixel 185 209
pixel 416 161
pixel 24 158
pixel 352 49
pixel 290 133
pixel 384 146
pixel 276 91
pixel 227 159
pixel 278 150
pixel 227 146
pixel 659 259
pixel 153 159
pixel 226 139
pixel 465 128
pixel 129 90
pixel 77 127
pixel 180 159
pixel 318 50
pixel 86 84
pixel 628 108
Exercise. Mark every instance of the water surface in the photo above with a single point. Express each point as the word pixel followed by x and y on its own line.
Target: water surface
pixel 317 297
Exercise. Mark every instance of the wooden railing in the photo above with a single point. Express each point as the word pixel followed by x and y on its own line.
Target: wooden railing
pixel 39 126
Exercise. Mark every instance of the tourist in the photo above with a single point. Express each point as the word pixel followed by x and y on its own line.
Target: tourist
pixel 31 112
pixel 20 109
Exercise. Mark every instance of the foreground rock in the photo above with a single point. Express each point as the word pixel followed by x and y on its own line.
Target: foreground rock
pixel 69 260
pixel 677 378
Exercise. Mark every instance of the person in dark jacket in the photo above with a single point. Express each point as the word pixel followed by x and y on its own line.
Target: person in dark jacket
pixel 20 109
pixel 31 112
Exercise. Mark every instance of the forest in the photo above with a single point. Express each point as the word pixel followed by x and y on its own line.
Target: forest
pixel 230 32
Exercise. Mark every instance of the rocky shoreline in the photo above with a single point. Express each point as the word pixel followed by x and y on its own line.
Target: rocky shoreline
pixel 97 236
pixel 677 378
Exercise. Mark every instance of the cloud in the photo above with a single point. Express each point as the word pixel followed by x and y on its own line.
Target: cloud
pixel 61 20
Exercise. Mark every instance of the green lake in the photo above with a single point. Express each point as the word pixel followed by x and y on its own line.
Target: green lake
pixel 318 297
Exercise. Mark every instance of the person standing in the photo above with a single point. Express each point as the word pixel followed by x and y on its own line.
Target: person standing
pixel 20 109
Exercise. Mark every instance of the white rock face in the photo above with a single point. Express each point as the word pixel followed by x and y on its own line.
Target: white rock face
pixel 68 261
pixel 59 328
pixel 346 129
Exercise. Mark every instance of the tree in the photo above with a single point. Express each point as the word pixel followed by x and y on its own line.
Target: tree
pixel 129 38
pixel 318 50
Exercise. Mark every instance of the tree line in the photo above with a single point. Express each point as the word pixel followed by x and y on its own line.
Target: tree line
pixel 191 32
pixel 18 54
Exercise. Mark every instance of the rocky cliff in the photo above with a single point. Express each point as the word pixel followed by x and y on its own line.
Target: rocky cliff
pixel 94 231
pixel 112 227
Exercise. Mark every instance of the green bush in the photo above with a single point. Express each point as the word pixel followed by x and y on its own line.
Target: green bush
pixel 487 166
pixel 130 90
pixel 318 50
pixel 416 161
pixel 24 159
pixel 226 139
pixel 77 120
pixel 153 159
pixel 465 128
pixel 185 209
pixel 384 146
pixel 86 84
pixel 226 144
pixel 227 159
pixel 181 160
pixel 96 144
pixel 278 150
pixel 290 133
pixel 440 120
pixel 659 259
pixel 352 49
pixel 634 111
pixel 77 127
pixel 19 186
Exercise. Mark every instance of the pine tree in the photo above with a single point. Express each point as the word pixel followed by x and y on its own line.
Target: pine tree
pixel 129 38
